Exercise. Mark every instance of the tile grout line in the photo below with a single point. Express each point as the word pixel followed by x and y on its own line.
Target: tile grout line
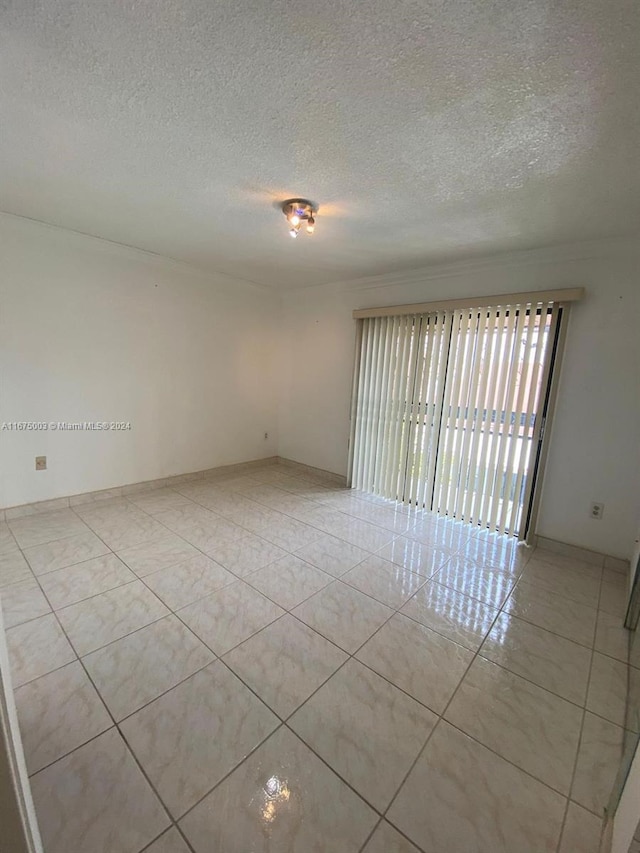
pixel 116 724
pixel 579 746
pixel 107 709
pixel 215 514
pixel 440 719
pixel 322 531
pixel 477 654
pixel 362 663
pixel 390 617
pixel 283 721
pixel 240 577
pixel 372 833
pixel 395 610
pixel 213 592
pixel 118 729
pixel 286 719
pixel 290 553
pixel 164 833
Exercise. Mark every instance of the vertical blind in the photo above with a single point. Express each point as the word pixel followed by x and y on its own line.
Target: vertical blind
pixel 447 408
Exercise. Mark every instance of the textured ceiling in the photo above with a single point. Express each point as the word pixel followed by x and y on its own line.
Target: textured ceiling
pixel 425 129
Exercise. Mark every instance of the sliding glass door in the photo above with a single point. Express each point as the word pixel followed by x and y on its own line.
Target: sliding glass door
pixel 449 408
pixel 399 376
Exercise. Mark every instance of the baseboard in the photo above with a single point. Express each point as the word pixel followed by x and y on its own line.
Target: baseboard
pixel 594 558
pixel 130 489
pixel 325 476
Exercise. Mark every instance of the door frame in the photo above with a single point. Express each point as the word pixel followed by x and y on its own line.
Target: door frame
pixel 551 382
pixel 20 830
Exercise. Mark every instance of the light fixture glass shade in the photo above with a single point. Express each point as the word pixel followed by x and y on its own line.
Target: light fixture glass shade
pixel 299 212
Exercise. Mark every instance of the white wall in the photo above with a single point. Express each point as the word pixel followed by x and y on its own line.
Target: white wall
pixel 94 331
pixel 595 447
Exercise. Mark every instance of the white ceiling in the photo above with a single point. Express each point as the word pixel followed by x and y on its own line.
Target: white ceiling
pixel 425 129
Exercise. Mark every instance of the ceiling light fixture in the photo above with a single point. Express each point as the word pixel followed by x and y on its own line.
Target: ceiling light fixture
pixel 299 211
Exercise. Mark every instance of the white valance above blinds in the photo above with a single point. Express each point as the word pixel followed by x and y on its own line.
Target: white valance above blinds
pixel 561 297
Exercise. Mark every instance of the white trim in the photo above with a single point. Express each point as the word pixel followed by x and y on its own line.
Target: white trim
pixel 557 254
pixel 594 557
pixel 565 549
pixel 125 249
pixel 150 485
pixel 569 294
pixel 321 473
pixel 551 382
pixel 19 825
pixel 625 818
pixel 130 489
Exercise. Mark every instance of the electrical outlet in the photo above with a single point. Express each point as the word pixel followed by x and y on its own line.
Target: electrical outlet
pixel 266 436
pixel 597 510
pixel 41 463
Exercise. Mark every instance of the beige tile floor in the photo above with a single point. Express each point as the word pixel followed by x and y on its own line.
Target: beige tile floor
pixel 267 662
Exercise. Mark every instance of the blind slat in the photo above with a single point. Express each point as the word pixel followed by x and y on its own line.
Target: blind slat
pixel 447 428
pixel 387 446
pixel 446 408
pixel 424 426
pixel 502 371
pixel 507 408
pixel 392 474
pixel 523 354
pixel 481 410
pixel 438 384
pixel 467 468
pixel 486 443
